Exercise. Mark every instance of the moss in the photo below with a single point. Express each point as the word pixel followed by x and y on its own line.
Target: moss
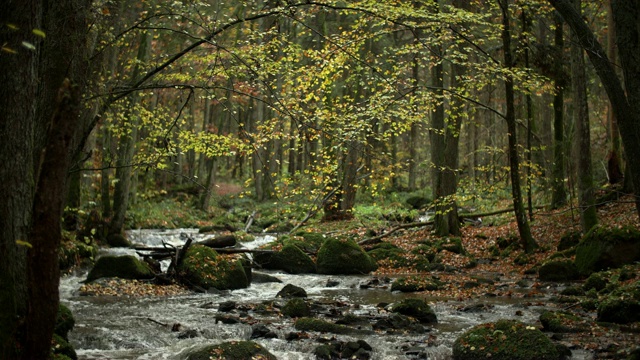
pixel 343 256
pixel 504 340
pixel 292 260
pixel 205 268
pixel 603 248
pixel 416 308
pixel 64 321
pixel 296 307
pixel 619 311
pixel 595 281
pixel 73 252
pixel 558 270
pixel 60 348
pixel 569 240
pixel 124 267
pixel 233 350
pixel 389 253
pixel 311 324
pixel 453 245
pixel 562 322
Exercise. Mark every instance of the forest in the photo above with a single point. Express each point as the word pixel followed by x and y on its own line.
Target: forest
pixel 375 118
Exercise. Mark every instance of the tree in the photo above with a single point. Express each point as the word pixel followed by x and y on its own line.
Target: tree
pixel 626 107
pixel 40 127
pixel 586 192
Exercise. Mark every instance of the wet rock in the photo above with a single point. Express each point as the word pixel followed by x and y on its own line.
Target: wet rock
pixel 415 284
pixel 619 310
pixel 595 281
pixel 61 348
pixel 504 340
pixel 607 248
pixel 124 267
pixel 359 350
pixel 397 323
pixel 311 324
pixel 473 308
pixel 291 291
pixel 227 306
pixel 205 268
pixel 343 256
pixel 225 319
pixel 416 308
pixel 188 334
pixel 118 240
pixel 261 278
pixel 558 270
pixel 332 283
pixel 64 321
pixel 232 350
pixel 262 331
pixel 296 307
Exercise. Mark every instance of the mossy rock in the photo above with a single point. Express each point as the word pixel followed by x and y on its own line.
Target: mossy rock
pixel 562 322
pixel 595 281
pixel 205 268
pixel 292 260
pixel 416 308
pixel 296 307
pixel 64 321
pixel 619 311
pixel 415 284
pixel 453 245
pixel 233 350
pixel 426 251
pixel 291 291
pixel 569 240
pixel 309 241
pixel 607 248
pixel 558 270
pixel 73 252
pixel 389 253
pixel 504 340
pixel 311 324
pixel 124 267
pixel 343 256
pixel 61 348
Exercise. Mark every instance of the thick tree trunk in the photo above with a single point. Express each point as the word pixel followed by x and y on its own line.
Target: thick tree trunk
pixel 528 243
pixel 19 79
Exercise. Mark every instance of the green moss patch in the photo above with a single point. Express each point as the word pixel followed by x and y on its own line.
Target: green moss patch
pixel 205 268
pixel 233 350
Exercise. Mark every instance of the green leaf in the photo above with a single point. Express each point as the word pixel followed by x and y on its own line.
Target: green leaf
pixel 39 32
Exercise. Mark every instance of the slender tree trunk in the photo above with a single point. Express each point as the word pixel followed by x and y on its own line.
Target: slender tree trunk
pixel 126 151
pixel 559 193
pixel 586 191
pixel 528 243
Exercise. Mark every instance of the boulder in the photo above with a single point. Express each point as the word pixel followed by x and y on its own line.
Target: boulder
pixel 124 267
pixel 619 311
pixel 232 350
pixel 296 307
pixel 335 349
pixel 343 256
pixel 291 291
pixel 203 267
pixel 398 323
pixel 504 340
pixel 416 308
pixel 562 322
pixel 607 248
pixel 558 270
pixel 61 349
pixel 292 260
pixel 64 321
pixel 415 284
pixel 118 240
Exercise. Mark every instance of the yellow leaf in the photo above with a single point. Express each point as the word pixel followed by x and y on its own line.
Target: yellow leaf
pixel 24 243
pixel 39 32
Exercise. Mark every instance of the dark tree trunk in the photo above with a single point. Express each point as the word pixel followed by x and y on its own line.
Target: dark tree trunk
pixel 528 243
pixel 559 194
pixel 586 192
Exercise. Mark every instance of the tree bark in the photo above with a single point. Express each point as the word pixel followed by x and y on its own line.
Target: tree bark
pixel 528 243
pixel 559 193
pixel 586 192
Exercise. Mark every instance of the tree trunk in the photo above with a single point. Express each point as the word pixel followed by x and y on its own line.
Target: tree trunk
pixel 586 190
pixel 528 243
pixel 127 147
pixel 626 108
pixel 559 193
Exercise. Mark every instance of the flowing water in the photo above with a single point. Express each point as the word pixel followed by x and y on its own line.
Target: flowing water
pixel 141 328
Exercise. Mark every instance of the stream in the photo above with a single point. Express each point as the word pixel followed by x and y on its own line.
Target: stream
pixel 109 327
